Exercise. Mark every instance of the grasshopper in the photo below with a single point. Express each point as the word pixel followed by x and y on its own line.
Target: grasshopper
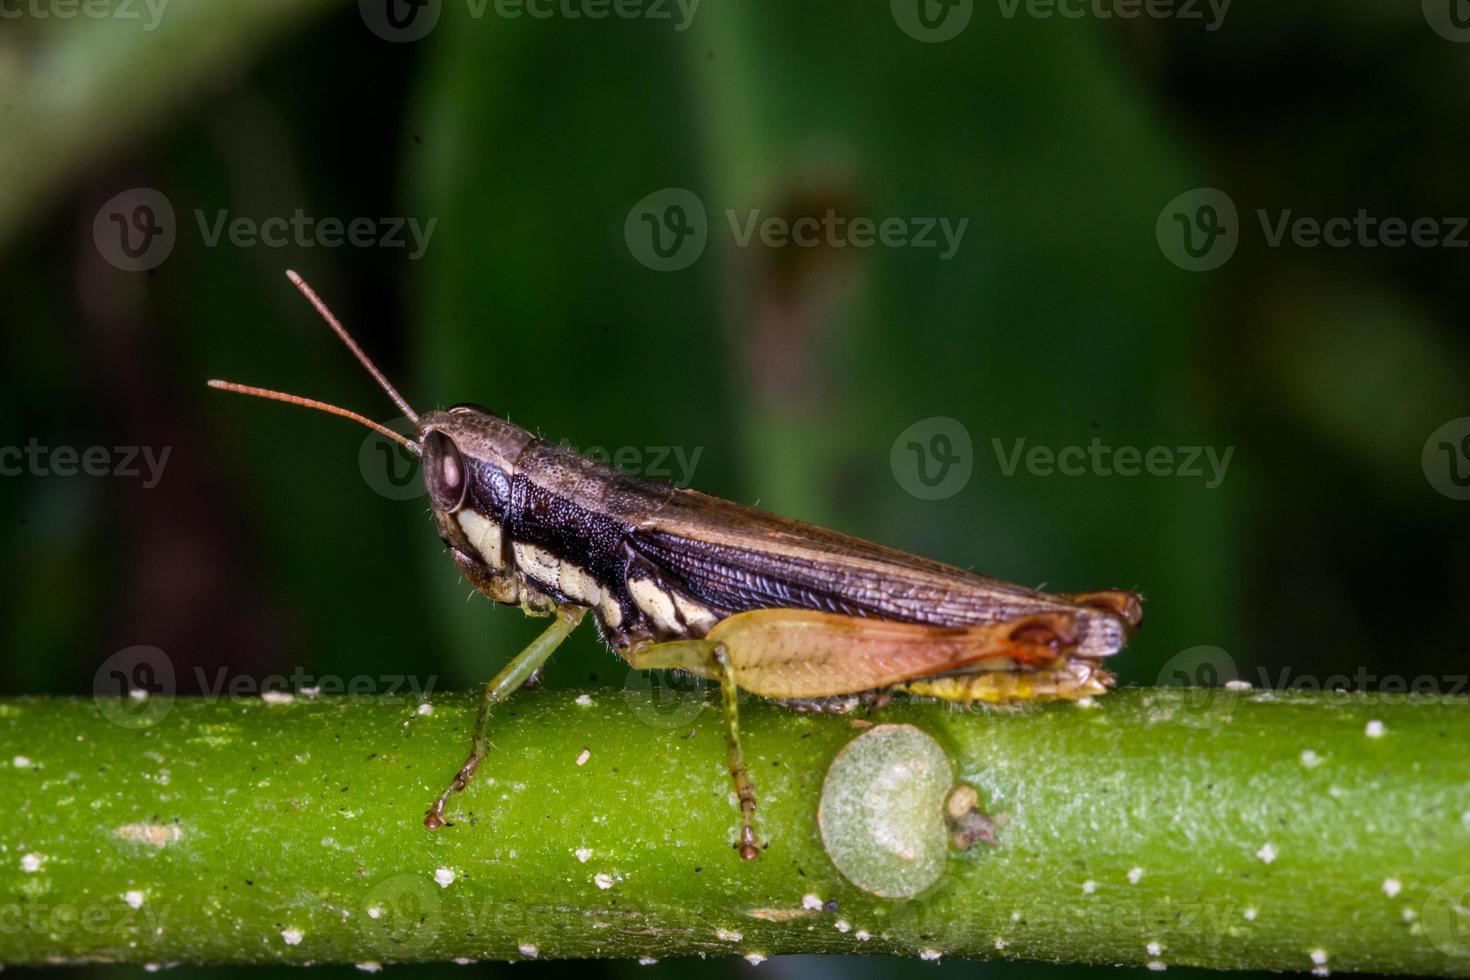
pixel 678 580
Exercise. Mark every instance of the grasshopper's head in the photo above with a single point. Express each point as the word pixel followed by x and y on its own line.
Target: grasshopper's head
pixel 469 456
pixel 469 461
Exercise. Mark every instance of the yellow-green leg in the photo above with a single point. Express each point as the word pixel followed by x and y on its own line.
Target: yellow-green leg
pixel 507 682
pixel 709 659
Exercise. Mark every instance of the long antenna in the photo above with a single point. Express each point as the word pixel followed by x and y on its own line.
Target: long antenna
pixel 281 396
pixel 362 358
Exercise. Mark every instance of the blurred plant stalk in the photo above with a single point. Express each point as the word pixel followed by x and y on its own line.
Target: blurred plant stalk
pixel 1230 829
pixel 77 84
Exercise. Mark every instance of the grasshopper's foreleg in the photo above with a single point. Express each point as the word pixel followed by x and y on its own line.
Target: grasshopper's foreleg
pixel 712 660
pixel 507 682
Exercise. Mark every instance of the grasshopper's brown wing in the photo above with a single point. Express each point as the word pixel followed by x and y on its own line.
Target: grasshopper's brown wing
pixel 736 559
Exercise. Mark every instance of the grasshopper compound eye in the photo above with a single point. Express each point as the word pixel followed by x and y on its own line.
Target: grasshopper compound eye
pixel 444 472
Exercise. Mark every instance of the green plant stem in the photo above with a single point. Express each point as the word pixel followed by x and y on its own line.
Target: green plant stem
pixel 1221 829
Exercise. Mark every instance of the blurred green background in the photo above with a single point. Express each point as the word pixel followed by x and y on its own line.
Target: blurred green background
pixel 278 542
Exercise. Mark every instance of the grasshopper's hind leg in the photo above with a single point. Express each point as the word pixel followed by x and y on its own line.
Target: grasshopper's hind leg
pixel 525 665
pixel 711 660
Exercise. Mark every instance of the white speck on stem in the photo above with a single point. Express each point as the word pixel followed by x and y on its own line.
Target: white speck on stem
pixel 1237 685
pixel 728 935
pixel 1015 916
pixel 445 877
pixel 1392 886
pixel 1085 703
pixel 134 898
pixel 1154 949
pixel 21 762
pixel 1250 914
pixel 426 709
pixel 1319 956
pixel 862 935
pixel 292 937
pixel 1409 914
pixel 529 950
pixel 929 954
pixel 1158 966
pixel 1001 943
pixel 603 879
pixel 583 854
pixel 370 966
pixel 755 959
pixel 277 697
pixel 842 925
pixel 373 911
pixel 1311 759
pixel 1134 874
pixel 31 863
pixel 463 961
pixel 584 756
pixel 810 901
pixel 1374 729
pixel 646 961
pixel 1267 853
pixel 1089 886
pixel 583 700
